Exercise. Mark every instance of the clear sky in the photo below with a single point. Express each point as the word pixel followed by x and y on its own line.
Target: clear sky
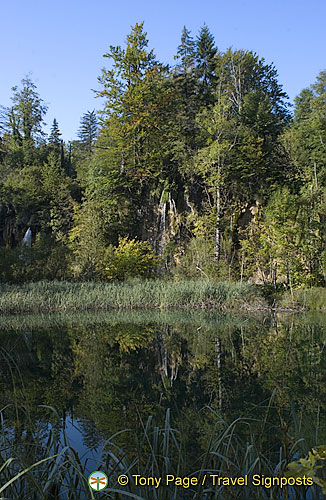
pixel 60 43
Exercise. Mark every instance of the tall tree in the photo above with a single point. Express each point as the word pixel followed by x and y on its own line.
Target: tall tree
pixel 24 122
pixel 186 101
pixel 54 137
pixel 305 138
pixel 27 112
pixel 134 107
pixel 55 143
pixel 88 130
pixel 228 161
pixel 206 62
pixel 186 51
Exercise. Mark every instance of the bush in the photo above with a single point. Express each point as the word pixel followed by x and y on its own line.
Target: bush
pixel 46 259
pixel 129 259
pixel 198 260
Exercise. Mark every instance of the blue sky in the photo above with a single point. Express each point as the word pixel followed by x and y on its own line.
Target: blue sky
pixel 61 43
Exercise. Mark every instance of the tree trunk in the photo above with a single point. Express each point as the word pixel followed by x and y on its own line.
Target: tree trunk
pixel 274 274
pixel 218 223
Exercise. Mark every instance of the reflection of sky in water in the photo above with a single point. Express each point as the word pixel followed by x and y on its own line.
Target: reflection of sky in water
pixel 90 457
pixel 135 369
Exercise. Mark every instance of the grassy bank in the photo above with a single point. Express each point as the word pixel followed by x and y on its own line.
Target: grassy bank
pixel 138 294
pixel 312 299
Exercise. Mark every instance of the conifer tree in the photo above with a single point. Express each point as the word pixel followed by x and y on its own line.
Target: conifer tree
pixel 206 53
pixel 186 51
pixel 54 137
pixel 56 144
pixel 88 130
pixel 186 105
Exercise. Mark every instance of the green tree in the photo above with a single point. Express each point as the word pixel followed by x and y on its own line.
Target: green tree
pixel 229 159
pixel 88 131
pixel 186 102
pixel 132 95
pixel 186 51
pixel 27 113
pixel 87 242
pixel 23 122
pixel 304 139
pixel 206 63
pixel 54 137
pixel 55 143
pixel 129 259
pixel 132 150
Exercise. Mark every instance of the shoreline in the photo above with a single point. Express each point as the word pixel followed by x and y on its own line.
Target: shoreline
pixel 203 295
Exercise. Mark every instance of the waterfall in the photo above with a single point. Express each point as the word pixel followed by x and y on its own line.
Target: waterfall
pixel 26 243
pixel 161 237
pixel 174 219
pixel 163 218
pixel 27 240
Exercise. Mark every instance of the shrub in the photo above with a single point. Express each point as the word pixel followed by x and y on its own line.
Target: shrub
pixel 130 258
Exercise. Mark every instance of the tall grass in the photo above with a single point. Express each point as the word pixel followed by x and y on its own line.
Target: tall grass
pixel 313 299
pixel 233 450
pixel 138 294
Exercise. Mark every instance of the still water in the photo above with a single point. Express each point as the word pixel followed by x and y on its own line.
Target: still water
pixel 157 393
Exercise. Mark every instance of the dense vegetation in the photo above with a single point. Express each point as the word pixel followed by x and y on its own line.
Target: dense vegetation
pixel 133 294
pixel 192 170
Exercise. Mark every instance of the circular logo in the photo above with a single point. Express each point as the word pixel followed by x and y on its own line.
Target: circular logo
pixel 98 480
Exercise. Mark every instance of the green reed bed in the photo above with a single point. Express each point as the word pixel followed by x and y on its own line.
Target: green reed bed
pixel 42 466
pixel 313 299
pixel 137 294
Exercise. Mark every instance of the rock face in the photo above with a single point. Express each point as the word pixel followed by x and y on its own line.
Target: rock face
pixel 13 225
pixel 8 225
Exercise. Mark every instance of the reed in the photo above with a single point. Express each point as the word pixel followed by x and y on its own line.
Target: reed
pixel 54 296
pixel 50 469
pixel 313 299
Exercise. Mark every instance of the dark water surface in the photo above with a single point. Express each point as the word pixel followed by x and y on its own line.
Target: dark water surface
pixel 108 372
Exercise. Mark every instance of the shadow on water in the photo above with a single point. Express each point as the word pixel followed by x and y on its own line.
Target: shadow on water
pixel 243 395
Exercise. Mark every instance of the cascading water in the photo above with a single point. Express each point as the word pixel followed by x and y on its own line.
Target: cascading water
pixel 161 237
pixel 27 240
pixel 174 219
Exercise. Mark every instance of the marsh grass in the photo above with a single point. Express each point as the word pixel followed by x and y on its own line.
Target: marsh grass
pixel 48 468
pixel 137 294
pixel 313 299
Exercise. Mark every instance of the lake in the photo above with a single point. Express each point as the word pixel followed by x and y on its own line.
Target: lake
pixel 156 394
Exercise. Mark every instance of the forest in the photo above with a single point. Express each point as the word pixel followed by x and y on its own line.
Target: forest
pixel 201 169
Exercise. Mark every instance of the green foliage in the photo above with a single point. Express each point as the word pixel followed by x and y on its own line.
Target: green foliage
pixel 313 299
pixel 132 294
pixel 186 51
pixel 211 138
pixel 88 130
pixel 26 115
pixel 198 259
pixel 54 137
pixel 8 260
pixel 46 259
pixel 285 237
pixel 129 259
pixel 313 466
pixel 87 242
pixel 206 59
